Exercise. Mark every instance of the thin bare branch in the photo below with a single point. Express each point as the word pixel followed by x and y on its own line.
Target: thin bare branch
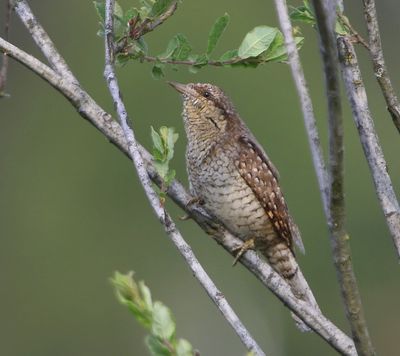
pixel 369 139
pixel 305 101
pixel 90 110
pixel 378 61
pixel 4 63
pixel 42 40
pixel 352 30
pixel 169 226
pixel 325 15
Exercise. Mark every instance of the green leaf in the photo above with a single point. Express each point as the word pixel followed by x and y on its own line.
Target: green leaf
pixel 171 47
pixel 340 28
pixel 157 71
pixel 146 294
pixel 183 348
pixel 171 139
pixel 201 60
pixel 130 14
pixel 277 51
pixel 157 141
pixel 216 32
pixel 100 7
pixel 257 41
pixel 163 325
pixel 183 49
pixel 159 7
pixel 156 346
pixel 122 59
pixel 118 12
pixel 303 14
pixel 161 168
pixel 170 176
pixel 140 46
pixel 233 53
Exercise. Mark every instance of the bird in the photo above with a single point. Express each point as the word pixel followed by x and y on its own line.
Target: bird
pixel 235 181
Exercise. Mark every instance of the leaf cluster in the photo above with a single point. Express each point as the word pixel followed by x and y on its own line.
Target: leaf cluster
pixel 163 152
pixel 305 14
pixel 261 45
pixel 153 316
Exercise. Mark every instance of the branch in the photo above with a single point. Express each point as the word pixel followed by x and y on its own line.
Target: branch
pixel 378 61
pixel 168 224
pixel 369 139
pixel 4 63
pixel 90 110
pixel 145 27
pixel 326 18
pixel 305 101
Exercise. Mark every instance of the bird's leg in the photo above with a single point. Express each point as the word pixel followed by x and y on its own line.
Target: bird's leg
pixel 247 245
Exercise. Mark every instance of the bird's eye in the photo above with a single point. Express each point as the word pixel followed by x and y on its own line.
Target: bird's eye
pixel 206 94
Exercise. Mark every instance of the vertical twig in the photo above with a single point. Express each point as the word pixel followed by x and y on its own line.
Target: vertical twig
pixel 325 15
pixel 165 219
pixel 378 61
pixel 4 63
pixel 305 101
pixel 369 139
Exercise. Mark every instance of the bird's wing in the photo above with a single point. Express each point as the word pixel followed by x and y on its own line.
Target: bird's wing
pixel 262 177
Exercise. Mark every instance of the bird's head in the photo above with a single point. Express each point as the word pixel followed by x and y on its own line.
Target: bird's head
pixel 206 108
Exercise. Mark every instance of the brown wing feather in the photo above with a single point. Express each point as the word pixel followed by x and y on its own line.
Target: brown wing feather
pixel 262 177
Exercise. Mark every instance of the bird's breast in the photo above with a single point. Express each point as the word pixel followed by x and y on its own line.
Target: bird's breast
pixel 227 196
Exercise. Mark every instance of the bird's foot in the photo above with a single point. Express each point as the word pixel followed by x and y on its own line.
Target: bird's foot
pixel 247 245
pixel 194 200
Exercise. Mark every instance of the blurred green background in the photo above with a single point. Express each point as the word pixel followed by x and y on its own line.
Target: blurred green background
pixel 72 211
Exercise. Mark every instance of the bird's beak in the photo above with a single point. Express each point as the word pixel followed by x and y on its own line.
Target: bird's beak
pixel 181 88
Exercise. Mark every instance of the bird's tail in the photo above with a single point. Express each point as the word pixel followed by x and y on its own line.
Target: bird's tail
pixel 282 259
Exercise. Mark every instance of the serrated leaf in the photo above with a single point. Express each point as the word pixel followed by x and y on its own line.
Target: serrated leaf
pixel 156 346
pixel 157 141
pixel 146 294
pixel 257 41
pixel 159 7
pixel 183 348
pixel 163 325
pixel 183 49
pixel 157 71
pixel 216 32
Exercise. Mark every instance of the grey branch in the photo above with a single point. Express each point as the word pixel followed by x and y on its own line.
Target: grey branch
pixel 305 101
pixel 369 139
pixel 325 15
pixel 90 110
pixel 4 62
pixel 168 224
pixel 378 61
